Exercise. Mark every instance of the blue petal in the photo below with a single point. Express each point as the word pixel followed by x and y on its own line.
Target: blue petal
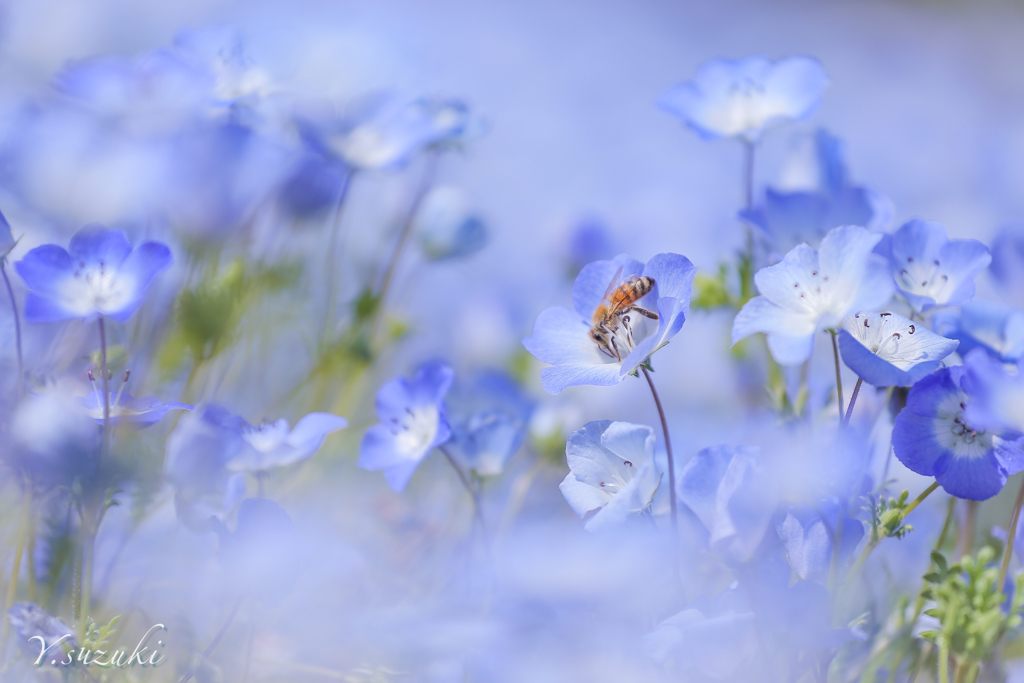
pixel 431 382
pixel 915 445
pixel 45 270
pixel 309 433
pixel 761 315
pixel 963 259
pixel 800 81
pixel 1010 454
pixel 40 310
pixel 595 279
pixel 673 277
pixel 142 265
pixel 790 350
pixel 98 244
pixel 670 320
pixel 559 377
pixel 697 486
pixel 379 450
pixel 560 337
pixel 871 368
pixel 398 476
pixel 977 478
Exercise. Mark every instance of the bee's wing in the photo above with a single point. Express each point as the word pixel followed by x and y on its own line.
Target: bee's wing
pixel 612 285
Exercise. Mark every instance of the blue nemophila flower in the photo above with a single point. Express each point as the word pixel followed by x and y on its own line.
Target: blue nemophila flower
pixel 982 324
pixel 809 534
pixel 611 472
pixel 935 436
pixel 609 332
pixel 125 409
pixel 412 422
pixel 447 225
pixel 30 621
pixel 823 197
pixel 743 97
pixel 271 445
pixel 51 440
pixel 929 268
pixel 886 349
pixel 98 275
pixel 813 290
pixel 997 391
pixel 198 451
pixel 488 415
pixel 730 493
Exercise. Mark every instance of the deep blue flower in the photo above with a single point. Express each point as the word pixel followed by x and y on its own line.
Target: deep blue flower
pixel 412 422
pixel 272 445
pixel 447 226
pixel 488 415
pixel 982 324
pixel 813 290
pixel 886 349
pixel 198 451
pixel 98 275
pixel 929 268
pixel 562 336
pixel 935 437
pixel 612 474
pixel 726 488
pixel 788 218
pixel 809 533
pixel 743 97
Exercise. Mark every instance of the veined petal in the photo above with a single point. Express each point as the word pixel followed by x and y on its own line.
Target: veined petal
pixel 673 277
pixel 595 279
pixel 559 377
pixel 784 282
pixel 635 497
pixel 845 253
pixel 582 498
pixel 875 288
pixel 790 350
pixel 761 315
pixel 972 478
pixel 45 269
pixel 913 441
pixel 41 310
pixel 560 337
pixel 96 243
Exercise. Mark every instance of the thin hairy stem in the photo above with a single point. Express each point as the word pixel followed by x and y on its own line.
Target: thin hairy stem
pixel 1008 551
pixel 17 331
pixel 332 255
pixel 216 640
pixel 853 401
pixel 839 376
pixel 469 489
pixel 668 452
pixel 970 527
pixel 946 525
pixel 19 549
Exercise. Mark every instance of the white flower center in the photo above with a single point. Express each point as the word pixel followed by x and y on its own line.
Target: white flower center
pixel 953 432
pixel 923 277
pixel 266 437
pixel 416 431
pixel 96 288
pixel 746 108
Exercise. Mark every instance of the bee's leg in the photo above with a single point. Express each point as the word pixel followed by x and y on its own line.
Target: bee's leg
pixel 642 311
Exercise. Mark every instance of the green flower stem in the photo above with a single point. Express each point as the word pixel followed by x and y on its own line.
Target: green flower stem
pixel 853 401
pixel 946 525
pixel 1008 551
pixel 668 451
pixel 872 543
pixel 839 377
pixel 19 550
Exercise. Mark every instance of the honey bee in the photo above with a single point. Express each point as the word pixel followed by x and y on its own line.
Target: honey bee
pixel 613 312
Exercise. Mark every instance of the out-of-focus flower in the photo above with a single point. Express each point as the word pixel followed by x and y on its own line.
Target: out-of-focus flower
pixel 982 324
pixel 886 349
pixel 933 436
pixel 809 534
pixel 7 240
pixel 929 268
pixel 1007 267
pixel 565 338
pixel 412 421
pixel 98 275
pixel 813 290
pixel 715 647
pixel 198 451
pixel 53 441
pixel 789 218
pixel 261 557
pixel 395 130
pixel 726 488
pixel 744 97
pixel 125 409
pixel 611 472
pixel 589 240
pixel 32 621
pixel 488 416
pixel 447 226
pixel 997 392
pixel 273 445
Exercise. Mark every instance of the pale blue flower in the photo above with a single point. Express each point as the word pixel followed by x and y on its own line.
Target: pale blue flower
pixel 994 327
pixel 1007 267
pixel 826 199
pixel 810 291
pixel 612 473
pixel 272 445
pixel 725 487
pixel 98 275
pixel 997 392
pixel 886 349
pixel 125 409
pixel 929 268
pixel 935 436
pixel 809 534
pixel 447 226
pixel 412 422
pixel 32 621
pixel 52 441
pixel 261 557
pixel 488 415
pixel 562 336
pixel 744 97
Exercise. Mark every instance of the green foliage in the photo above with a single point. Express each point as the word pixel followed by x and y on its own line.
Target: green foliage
pixel 887 517
pixel 97 637
pixel 969 605
pixel 711 291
